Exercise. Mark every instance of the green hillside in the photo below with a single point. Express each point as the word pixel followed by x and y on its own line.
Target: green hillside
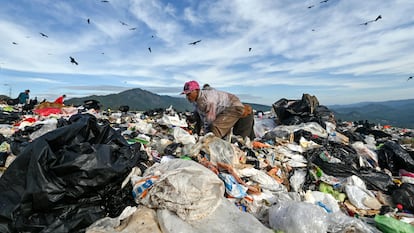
pixel 142 100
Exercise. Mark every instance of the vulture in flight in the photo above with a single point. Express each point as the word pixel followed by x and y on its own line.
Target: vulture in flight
pixel 72 60
pixel 195 42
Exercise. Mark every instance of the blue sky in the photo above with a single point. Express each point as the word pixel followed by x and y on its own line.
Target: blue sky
pixel 325 50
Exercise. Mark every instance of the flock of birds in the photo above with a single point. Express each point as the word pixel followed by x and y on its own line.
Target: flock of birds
pixel 73 60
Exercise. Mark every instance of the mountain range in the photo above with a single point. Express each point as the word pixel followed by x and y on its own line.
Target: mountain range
pixel 141 100
pixel 398 113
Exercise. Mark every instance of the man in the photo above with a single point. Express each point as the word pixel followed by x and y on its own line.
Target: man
pixel 60 99
pixel 24 97
pixel 220 111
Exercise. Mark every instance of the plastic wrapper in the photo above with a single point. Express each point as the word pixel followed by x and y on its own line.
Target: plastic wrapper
pixel 233 188
pixel 366 153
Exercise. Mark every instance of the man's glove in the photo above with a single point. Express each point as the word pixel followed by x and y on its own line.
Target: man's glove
pixel 247 110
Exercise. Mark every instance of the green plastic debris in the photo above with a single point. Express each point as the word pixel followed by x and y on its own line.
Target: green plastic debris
pixel 391 225
pixel 326 188
pixel 185 157
pixel 135 140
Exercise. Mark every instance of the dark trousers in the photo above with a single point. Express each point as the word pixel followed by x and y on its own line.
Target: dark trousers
pixel 231 118
pixel 244 127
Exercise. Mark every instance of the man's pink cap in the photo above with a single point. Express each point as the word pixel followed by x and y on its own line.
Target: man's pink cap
pixel 190 86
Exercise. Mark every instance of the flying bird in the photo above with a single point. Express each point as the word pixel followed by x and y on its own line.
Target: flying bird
pixel 311 6
pixel 72 60
pixel 14 43
pixel 132 29
pixel 89 21
pixel 411 77
pixel 149 48
pixel 123 23
pixel 104 1
pixel 370 21
pixel 195 42
pixel 44 35
pixel 250 49
pixel 324 1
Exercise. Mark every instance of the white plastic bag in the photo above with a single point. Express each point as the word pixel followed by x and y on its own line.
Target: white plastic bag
pixel 131 220
pixel 185 187
pixel 297 180
pixel 180 135
pixel 265 181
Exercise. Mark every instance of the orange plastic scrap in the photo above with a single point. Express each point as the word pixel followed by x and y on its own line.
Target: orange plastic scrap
pixel 387 127
pixel 209 165
pixel 275 173
pixel 229 169
pixel 260 145
pixel 28 119
pixel 254 189
pixel 47 111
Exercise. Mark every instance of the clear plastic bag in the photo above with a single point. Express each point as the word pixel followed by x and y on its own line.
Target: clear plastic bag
pixel 294 217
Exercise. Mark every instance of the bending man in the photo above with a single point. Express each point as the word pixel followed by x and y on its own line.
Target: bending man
pixel 220 111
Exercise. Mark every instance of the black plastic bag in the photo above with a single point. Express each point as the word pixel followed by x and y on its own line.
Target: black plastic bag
pixel 9 117
pixel 92 104
pixel 393 157
pixel 124 108
pixel 3 158
pixel 374 180
pixel 404 196
pixel 59 181
pixel 307 109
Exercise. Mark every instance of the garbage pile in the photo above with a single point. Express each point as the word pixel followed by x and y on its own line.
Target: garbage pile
pixel 86 170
